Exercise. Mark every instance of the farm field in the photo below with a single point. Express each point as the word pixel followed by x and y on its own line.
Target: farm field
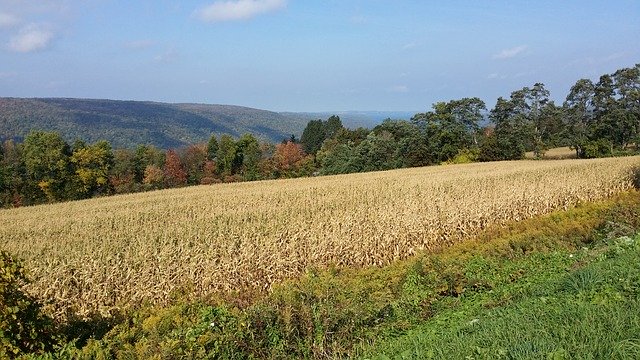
pixel 102 255
pixel 555 154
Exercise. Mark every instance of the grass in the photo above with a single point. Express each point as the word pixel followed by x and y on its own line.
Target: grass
pixel 564 285
pixel 589 311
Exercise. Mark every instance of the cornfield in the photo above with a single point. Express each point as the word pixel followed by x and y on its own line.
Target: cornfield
pixel 101 255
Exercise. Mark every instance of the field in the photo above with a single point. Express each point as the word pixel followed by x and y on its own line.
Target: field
pixel 555 154
pixel 100 255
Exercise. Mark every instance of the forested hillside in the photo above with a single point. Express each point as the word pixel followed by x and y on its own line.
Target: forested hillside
pixel 126 124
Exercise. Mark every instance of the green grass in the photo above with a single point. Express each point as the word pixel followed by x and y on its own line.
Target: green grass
pixel 591 311
pixel 560 286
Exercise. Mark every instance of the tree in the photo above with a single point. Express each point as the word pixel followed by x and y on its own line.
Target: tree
pixel 173 171
pixel 248 155
pixel 153 177
pixel 627 90
pixel 193 159
pixel 450 127
pixel 209 173
pixel 123 173
pixel 16 183
pixel 92 165
pixel 146 155
pixel 226 155
pixel 332 126
pixel 506 141
pixel 538 98
pixel 212 148
pixel 47 161
pixel 313 136
pixel 289 159
pixel 579 112
pixel 317 131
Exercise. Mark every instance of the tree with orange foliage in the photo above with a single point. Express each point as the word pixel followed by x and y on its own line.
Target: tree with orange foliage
pixel 290 160
pixel 174 173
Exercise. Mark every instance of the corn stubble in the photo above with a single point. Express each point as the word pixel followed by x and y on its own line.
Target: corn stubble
pixel 101 255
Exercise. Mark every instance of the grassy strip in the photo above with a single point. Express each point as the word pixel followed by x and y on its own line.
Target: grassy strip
pixel 350 312
pixel 590 312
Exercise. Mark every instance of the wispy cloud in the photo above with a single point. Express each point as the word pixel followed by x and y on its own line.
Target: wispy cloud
pixel 33 37
pixel 237 9
pixel 139 44
pixel 510 53
pixel 7 75
pixel 8 20
pixel 408 46
pixel 358 19
pixel 399 89
pixel 168 56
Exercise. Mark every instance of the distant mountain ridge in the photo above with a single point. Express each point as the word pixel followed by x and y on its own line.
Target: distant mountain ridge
pixel 126 124
pixel 129 123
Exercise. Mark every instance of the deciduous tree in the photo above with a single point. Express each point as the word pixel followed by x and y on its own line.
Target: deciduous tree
pixel 173 170
pixel 47 161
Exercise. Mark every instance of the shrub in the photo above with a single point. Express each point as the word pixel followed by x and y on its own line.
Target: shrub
pixel 23 326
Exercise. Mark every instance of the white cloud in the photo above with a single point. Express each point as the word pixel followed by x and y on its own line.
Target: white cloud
pixel 510 53
pixel 31 38
pixel 237 9
pixel 8 20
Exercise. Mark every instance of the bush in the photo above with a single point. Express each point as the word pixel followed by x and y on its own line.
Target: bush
pixel 23 326
pixel 596 149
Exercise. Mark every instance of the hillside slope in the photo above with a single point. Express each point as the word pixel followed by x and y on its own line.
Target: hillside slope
pixel 128 123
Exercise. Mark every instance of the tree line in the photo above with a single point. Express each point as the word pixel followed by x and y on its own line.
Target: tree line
pixel 44 168
pixel 596 119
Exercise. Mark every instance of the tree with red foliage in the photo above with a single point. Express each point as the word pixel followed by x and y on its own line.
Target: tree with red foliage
pixel 174 173
pixel 289 159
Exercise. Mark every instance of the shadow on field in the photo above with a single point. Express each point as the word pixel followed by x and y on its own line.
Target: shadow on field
pixel 94 327
pixel 636 178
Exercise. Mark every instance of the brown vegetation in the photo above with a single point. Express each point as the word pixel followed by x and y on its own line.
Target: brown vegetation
pixel 99 255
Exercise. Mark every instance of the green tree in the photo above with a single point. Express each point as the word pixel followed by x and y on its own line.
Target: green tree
pixel 449 128
pixel 123 173
pixel 212 148
pixel 506 141
pixel 16 183
pixel 332 126
pixel 193 159
pixel 248 156
pixel 579 113
pixel 146 155
pixel 313 136
pixel 226 155
pixel 47 161
pixel 317 131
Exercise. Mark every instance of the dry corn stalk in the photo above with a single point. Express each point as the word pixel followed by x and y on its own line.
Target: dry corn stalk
pixel 102 254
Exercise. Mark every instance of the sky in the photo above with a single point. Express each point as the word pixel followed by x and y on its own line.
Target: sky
pixel 310 55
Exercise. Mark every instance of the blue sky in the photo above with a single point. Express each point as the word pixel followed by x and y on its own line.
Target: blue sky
pixel 310 55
